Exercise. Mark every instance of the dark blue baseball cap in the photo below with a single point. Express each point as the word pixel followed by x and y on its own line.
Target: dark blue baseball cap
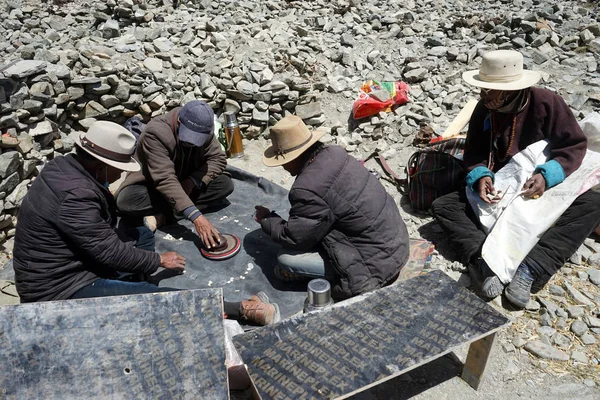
pixel 196 123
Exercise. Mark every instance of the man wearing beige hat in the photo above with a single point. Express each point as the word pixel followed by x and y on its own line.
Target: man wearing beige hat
pixel 511 115
pixel 66 245
pixel 342 225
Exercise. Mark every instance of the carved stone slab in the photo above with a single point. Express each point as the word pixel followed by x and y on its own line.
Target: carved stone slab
pixel 347 348
pixel 151 346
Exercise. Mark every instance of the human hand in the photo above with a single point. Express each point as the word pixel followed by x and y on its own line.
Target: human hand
pixel 207 232
pixel 188 185
pixel 534 187
pixel 261 213
pixel 487 192
pixel 172 260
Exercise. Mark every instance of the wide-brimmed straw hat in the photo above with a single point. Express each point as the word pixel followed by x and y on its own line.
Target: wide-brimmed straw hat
pixel 502 70
pixel 290 137
pixel 110 143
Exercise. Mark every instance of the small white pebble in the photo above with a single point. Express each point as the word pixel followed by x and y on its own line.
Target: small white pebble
pixel 224 217
pixel 246 273
pixel 250 267
pixel 240 224
pixel 235 220
pixel 246 228
pixel 210 283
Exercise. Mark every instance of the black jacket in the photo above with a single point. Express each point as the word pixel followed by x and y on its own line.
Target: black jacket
pixel 65 238
pixel 336 202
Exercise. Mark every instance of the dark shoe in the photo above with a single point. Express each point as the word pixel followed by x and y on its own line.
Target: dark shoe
pixel 258 310
pixel 491 285
pixel 519 289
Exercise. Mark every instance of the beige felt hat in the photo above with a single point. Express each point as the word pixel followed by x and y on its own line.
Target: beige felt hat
pixel 110 143
pixel 290 137
pixel 502 70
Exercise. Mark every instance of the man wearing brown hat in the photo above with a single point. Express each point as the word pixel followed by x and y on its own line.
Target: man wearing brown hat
pixel 66 245
pixel 342 225
pixel 182 171
pixel 510 116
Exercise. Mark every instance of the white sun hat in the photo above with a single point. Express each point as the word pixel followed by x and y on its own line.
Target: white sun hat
pixel 502 70
pixel 110 143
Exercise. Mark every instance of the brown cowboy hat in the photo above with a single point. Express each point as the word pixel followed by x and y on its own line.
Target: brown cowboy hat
pixel 290 137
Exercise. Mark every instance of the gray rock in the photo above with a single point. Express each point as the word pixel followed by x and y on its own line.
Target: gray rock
pixel 577 296
pixel 415 75
pixel 153 64
pixel 109 101
pixel 43 128
pixel 309 110
pixel 163 45
pixel 14 199
pixel 85 80
pixel 546 319
pixel 548 305
pixel 531 305
pixel 561 341
pixel 25 68
pixel 588 339
pixel 591 322
pixel 546 331
pixel 556 290
pixel 519 342
pixel 274 86
pixel 575 311
pixel 122 91
pixel 10 182
pixel 110 29
pixel 545 351
pixel 579 357
pixel 260 116
pixel 594 276
pixel 75 92
pixel 94 109
pixel 579 328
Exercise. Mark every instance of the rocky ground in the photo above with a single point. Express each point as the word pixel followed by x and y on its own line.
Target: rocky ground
pixel 65 64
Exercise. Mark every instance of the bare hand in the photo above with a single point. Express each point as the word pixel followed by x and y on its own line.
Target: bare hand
pixel 261 213
pixel 207 232
pixel 534 187
pixel 487 192
pixel 172 260
pixel 188 185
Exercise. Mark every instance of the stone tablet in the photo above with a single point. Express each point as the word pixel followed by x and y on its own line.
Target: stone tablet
pixel 166 345
pixel 356 344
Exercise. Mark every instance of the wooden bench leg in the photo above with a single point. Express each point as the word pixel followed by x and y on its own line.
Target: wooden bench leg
pixel 474 367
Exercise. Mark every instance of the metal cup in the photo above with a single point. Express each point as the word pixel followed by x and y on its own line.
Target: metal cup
pixel 319 293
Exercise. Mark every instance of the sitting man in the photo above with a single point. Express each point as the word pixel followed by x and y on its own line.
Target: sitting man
pixel 510 116
pixel 182 171
pixel 66 246
pixel 343 225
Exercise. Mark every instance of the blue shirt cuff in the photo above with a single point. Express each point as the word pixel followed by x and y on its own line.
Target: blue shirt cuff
pixel 197 182
pixel 192 213
pixel 552 172
pixel 476 174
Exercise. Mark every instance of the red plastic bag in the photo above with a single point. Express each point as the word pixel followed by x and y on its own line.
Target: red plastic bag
pixel 375 97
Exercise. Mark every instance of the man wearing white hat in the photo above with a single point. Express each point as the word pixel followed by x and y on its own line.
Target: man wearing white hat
pixel 510 116
pixel 342 226
pixel 66 245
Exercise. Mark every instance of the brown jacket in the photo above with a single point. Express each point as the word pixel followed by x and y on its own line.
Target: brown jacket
pixel 165 162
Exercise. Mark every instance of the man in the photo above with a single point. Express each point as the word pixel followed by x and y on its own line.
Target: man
pixel 510 116
pixel 343 225
pixel 66 246
pixel 182 171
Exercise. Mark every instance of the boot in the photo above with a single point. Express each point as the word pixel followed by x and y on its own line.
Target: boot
pixel 258 310
pixel 519 289
pixel 153 222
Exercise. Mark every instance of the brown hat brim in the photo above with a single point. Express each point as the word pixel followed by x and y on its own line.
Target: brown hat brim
pixel 272 159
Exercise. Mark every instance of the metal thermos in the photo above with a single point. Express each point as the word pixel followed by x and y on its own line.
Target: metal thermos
pixel 319 295
pixel 233 136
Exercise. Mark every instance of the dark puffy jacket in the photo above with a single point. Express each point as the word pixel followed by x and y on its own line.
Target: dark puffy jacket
pixel 336 202
pixel 65 238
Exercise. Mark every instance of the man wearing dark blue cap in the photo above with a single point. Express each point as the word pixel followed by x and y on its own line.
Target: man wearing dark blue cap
pixel 182 171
